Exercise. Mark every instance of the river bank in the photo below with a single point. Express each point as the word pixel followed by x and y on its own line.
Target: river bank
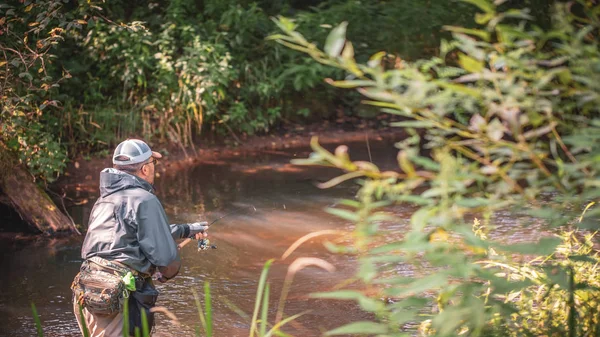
pixel 81 176
pixel 83 173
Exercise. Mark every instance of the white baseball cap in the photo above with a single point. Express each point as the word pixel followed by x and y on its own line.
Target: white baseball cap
pixel 133 151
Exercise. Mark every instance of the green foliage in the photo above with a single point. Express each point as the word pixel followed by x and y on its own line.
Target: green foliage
pixel 565 285
pixel 30 32
pixel 180 68
pixel 508 118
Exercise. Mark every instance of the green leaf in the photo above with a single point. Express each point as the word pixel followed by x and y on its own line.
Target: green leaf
pixel 26 74
pixel 410 302
pixel 401 280
pixel 344 214
pixel 336 39
pixel 388 247
pixel 351 84
pixel 370 304
pixel 413 124
pixel 360 327
pixel 285 24
pixel 420 218
pixel 426 163
pixel 339 295
pixel 449 320
pixel 459 88
pixel 473 202
pixel 414 199
pixel 470 64
pixel 557 275
pixel 483 19
pixel 339 249
pixel 388 258
pixel 583 258
pixel 545 246
pixel 476 32
pixel 484 5
pixel 381 216
pixel 367 270
pixel 404 316
pixel 425 283
pixel 502 285
pixel 350 203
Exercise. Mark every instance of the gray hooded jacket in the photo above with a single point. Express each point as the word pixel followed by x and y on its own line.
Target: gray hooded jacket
pixel 129 225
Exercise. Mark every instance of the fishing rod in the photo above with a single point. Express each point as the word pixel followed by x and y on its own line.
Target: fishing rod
pixel 204 243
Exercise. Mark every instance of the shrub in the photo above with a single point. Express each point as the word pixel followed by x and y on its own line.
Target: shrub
pixel 505 118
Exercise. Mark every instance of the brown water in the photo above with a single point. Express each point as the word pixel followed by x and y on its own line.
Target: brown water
pixel 288 206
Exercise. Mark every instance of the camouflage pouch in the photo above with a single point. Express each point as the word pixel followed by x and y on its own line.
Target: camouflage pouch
pixel 99 287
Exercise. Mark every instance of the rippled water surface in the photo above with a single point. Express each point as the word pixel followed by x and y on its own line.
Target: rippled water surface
pixel 288 206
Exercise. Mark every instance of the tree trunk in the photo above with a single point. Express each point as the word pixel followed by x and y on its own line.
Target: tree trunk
pixel 31 202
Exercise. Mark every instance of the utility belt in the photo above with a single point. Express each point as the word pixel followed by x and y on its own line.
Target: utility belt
pixel 102 286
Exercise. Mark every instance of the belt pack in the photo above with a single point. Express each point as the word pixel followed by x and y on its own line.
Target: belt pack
pixel 99 286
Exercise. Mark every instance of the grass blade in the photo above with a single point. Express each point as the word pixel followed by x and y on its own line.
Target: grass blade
pixel 259 291
pixel 208 309
pixel 38 323
pixel 265 311
pixel 145 330
pixel 234 308
pixel 200 312
pixel 86 332
pixel 307 237
pixel 571 302
pixel 298 264
pixel 275 328
pixel 125 317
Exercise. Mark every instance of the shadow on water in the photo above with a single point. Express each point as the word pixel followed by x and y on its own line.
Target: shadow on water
pixel 288 206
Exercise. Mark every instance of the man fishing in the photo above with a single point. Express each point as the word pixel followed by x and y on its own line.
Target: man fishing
pixel 128 240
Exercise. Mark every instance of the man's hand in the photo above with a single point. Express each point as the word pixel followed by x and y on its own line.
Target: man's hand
pixel 198 230
pixel 200 236
pixel 157 276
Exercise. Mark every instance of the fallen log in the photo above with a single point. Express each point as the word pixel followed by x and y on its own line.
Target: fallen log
pixel 19 191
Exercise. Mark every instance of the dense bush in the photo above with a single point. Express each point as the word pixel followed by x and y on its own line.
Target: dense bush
pixel 29 84
pixel 504 119
pixel 169 70
pixel 564 292
pixel 208 63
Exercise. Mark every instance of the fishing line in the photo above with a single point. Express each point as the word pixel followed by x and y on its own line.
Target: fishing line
pixel 204 243
pixel 251 208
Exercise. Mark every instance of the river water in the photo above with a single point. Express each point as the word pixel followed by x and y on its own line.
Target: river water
pixel 288 206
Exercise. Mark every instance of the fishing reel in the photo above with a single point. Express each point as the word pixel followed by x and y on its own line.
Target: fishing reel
pixel 204 244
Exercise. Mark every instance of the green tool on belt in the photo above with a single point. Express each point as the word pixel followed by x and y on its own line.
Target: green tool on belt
pixel 129 281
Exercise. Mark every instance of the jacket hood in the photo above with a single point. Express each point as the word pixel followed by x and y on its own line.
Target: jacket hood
pixel 113 180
